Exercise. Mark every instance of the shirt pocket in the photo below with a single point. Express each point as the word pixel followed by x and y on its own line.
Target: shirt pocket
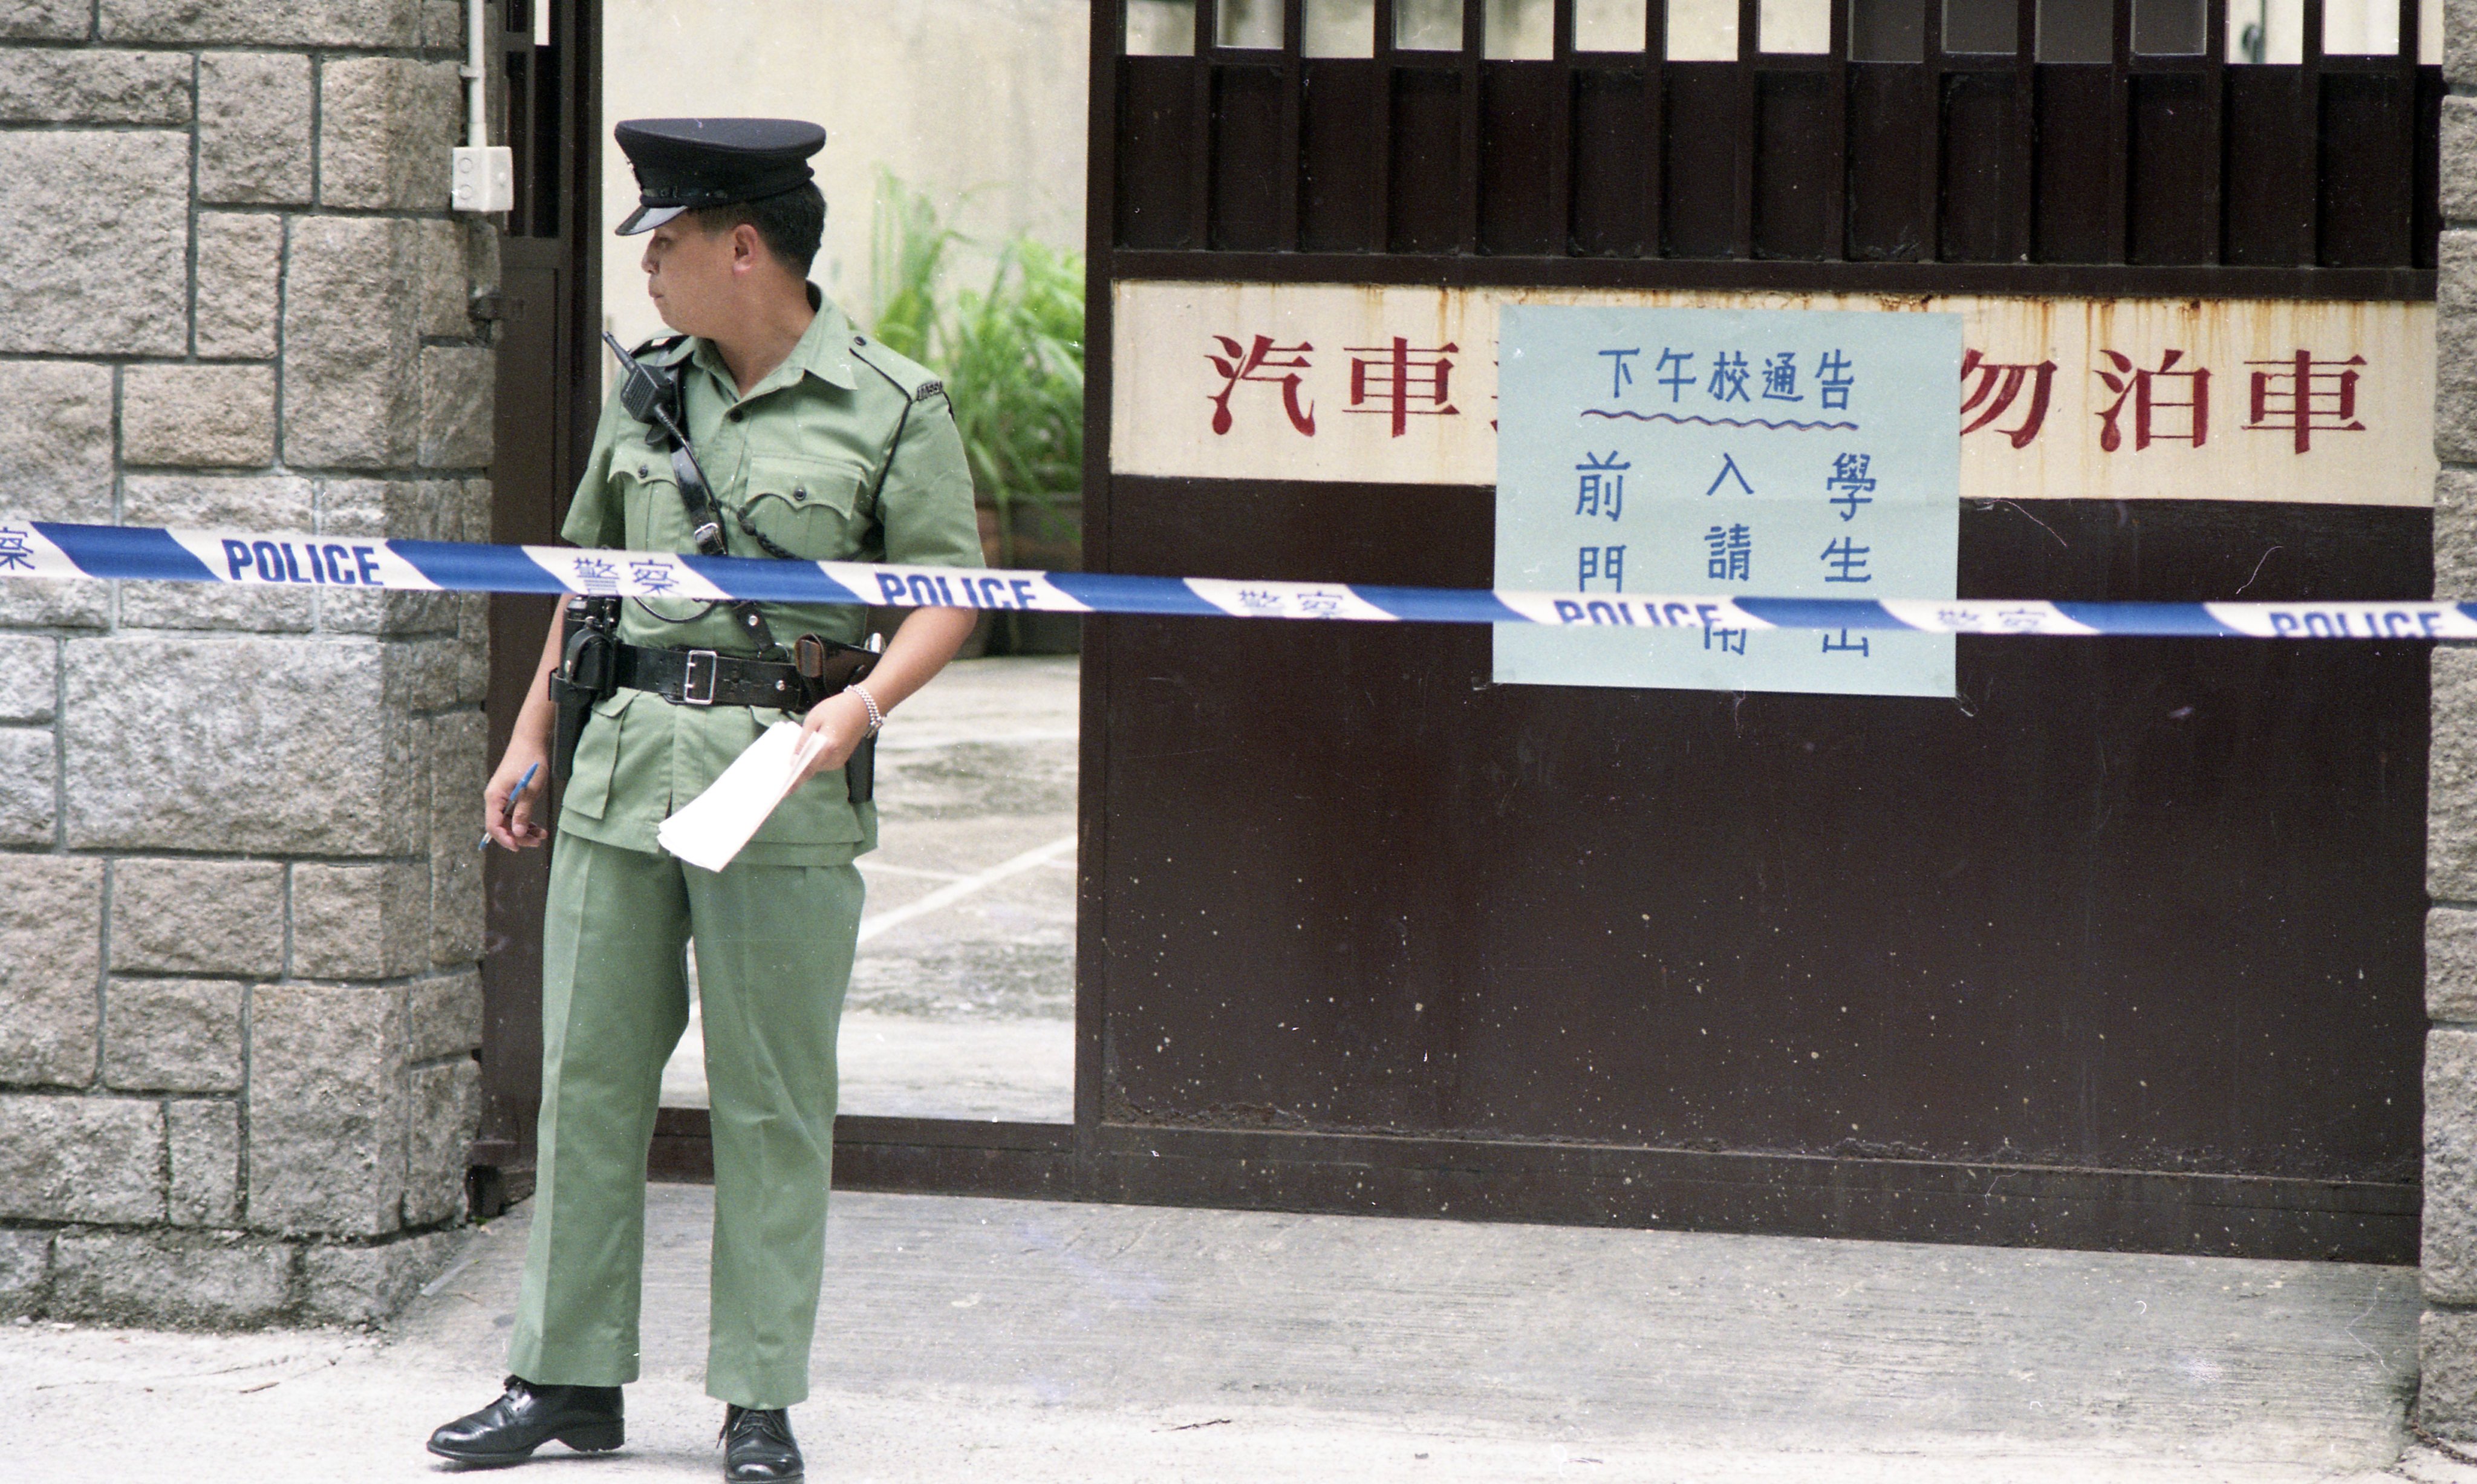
pixel 648 498
pixel 808 506
pixel 597 755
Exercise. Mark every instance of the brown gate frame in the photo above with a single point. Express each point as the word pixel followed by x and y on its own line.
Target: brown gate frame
pixel 547 390
pixel 1450 169
pixel 1227 186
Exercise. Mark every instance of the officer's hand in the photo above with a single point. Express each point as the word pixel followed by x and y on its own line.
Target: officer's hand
pixel 519 832
pixel 835 726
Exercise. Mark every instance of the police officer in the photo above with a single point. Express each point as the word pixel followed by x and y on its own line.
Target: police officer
pixel 816 443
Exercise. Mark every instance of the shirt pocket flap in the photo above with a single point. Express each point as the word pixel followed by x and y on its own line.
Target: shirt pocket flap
pixel 597 755
pixel 807 506
pixel 806 484
pixel 634 463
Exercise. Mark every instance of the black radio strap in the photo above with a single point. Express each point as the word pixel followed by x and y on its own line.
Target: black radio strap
pixel 657 396
pixel 704 521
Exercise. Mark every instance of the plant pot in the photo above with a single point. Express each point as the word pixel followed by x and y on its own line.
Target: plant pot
pixel 1048 534
pixel 1048 538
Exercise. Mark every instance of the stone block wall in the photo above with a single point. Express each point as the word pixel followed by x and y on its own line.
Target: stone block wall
pixel 2447 1396
pixel 240 900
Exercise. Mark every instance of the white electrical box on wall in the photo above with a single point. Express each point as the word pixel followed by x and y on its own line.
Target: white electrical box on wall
pixel 485 179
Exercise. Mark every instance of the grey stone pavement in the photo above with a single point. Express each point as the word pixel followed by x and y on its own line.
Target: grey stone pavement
pixel 971 1339
pixel 962 995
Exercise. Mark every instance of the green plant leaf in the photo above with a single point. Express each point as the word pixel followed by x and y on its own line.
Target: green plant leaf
pixel 1011 356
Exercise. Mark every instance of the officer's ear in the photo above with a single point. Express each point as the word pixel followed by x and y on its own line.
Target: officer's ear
pixel 748 250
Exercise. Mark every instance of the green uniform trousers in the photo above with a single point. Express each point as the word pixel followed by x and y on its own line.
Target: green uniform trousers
pixel 775 955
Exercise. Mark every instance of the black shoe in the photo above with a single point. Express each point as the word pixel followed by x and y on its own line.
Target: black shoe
pixel 757 1446
pixel 506 1431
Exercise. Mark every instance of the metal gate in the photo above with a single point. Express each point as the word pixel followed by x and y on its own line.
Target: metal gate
pixel 2121 949
pixel 549 397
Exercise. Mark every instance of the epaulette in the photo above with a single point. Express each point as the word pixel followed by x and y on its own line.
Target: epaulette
pixel 912 379
pixel 667 350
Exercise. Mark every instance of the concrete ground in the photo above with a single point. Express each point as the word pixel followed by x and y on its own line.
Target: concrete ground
pixel 984 1340
pixel 962 995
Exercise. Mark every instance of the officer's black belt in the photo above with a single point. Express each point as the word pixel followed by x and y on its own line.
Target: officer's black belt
pixel 702 677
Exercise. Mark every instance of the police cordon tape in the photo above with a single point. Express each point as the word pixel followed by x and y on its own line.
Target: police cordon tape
pixel 50 549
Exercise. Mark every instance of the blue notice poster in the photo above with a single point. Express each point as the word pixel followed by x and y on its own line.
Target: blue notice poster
pixel 1748 453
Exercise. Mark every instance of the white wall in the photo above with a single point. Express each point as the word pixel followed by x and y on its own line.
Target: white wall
pixel 979 102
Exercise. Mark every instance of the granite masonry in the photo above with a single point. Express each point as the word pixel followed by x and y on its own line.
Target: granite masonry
pixel 2447 1397
pixel 239 902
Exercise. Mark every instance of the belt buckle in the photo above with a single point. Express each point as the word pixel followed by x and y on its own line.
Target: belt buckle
pixel 688 695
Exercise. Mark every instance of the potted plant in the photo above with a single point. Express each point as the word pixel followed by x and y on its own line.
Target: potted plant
pixel 1013 360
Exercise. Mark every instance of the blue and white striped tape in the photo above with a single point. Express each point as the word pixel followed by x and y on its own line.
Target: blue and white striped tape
pixel 49 549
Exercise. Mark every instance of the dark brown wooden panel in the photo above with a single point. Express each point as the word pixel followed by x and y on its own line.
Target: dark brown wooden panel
pixel 1616 163
pixel 1521 183
pixel 1342 144
pixel 1155 153
pixel 1888 108
pixel 2369 165
pixel 1794 161
pixel 2073 222
pixel 1981 181
pixel 2129 931
pixel 1252 167
pixel 2427 232
pixel 1699 211
pixel 2270 209
pixel 1426 186
pixel 2153 163
pixel 2149 905
pixel 2172 211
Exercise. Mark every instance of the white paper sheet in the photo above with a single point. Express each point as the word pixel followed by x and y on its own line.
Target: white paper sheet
pixel 715 825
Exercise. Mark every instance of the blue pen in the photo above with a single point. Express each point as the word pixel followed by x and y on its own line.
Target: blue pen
pixel 509 816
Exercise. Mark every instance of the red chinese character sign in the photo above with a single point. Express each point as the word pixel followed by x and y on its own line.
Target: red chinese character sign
pixel 2057 399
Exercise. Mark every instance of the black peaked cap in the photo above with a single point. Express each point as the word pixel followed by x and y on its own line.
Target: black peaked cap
pixel 685 163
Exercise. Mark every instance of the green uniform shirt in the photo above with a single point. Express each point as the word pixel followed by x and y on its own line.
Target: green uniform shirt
pixel 844 452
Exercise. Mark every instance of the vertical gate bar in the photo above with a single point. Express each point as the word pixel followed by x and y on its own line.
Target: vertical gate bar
pixel 1930 61
pixel 1092 764
pixel 1560 157
pixel 1835 147
pixel 2410 115
pixel 1199 206
pixel 2023 165
pixel 1741 220
pixel 2425 194
pixel 2120 137
pixel 1380 199
pixel 2215 118
pixel 1294 106
pixel 2308 121
pixel 1474 48
pixel 581 208
pixel 520 130
pixel 1655 125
